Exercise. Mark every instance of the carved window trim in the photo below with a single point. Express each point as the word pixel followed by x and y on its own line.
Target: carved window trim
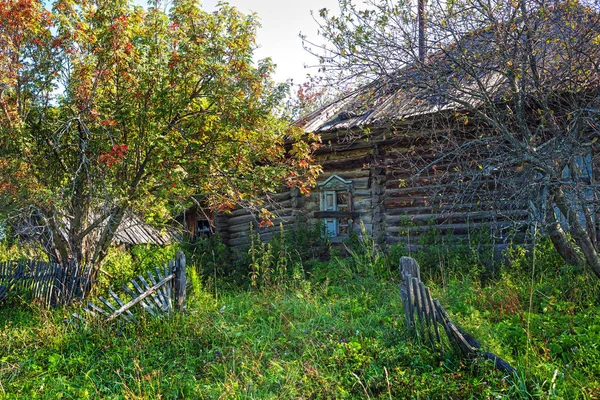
pixel 336 206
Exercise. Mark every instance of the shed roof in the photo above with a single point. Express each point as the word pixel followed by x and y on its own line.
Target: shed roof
pixel 133 230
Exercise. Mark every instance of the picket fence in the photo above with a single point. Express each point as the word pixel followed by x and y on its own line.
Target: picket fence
pixel 423 314
pixel 162 291
pixel 52 284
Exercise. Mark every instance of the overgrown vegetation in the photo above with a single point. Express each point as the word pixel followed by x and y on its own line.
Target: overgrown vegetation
pixel 322 329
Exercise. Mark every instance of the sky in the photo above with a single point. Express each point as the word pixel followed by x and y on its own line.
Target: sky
pixel 282 21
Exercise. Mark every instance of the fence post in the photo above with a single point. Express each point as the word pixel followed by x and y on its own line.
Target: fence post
pixel 180 281
pixel 408 269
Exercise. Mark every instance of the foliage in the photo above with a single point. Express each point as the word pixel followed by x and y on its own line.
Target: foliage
pixel 121 265
pixel 11 251
pixel 108 107
pixel 320 338
pixel 441 255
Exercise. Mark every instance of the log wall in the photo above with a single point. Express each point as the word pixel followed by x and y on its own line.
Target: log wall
pixel 393 206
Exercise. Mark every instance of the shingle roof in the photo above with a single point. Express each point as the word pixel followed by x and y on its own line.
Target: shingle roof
pixel 416 91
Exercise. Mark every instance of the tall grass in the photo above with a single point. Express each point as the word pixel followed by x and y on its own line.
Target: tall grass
pixel 322 329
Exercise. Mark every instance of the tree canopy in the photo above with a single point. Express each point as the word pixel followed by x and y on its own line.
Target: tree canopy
pixel 517 85
pixel 107 107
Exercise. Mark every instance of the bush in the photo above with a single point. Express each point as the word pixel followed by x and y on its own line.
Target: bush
pixel 122 264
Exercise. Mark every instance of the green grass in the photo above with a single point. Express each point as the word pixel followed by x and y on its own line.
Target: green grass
pixel 336 334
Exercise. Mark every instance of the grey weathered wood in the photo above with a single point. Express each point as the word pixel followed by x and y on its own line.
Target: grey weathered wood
pixel 148 308
pixel 416 298
pixel 50 283
pixel 180 282
pixel 153 295
pixel 97 309
pixel 120 304
pixel 149 304
pixel 162 290
pixel 169 269
pixel 138 299
pixel 411 301
pixel 433 315
pixel 163 302
pixel 426 312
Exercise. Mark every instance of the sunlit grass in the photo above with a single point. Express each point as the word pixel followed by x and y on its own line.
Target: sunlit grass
pixel 336 334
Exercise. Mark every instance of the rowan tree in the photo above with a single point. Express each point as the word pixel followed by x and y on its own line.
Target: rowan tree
pixel 108 107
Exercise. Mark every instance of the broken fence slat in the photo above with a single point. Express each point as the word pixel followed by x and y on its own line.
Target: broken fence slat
pixel 410 301
pixel 427 312
pixel 163 303
pixel 107 303
pixel 433 315
pixel 143 303
pixel 163 289
pixel 139 298
pixel 148 306
pixel 153 295
pixel 416 298
pixel 169 287
pixel 120 304
pixel 96 308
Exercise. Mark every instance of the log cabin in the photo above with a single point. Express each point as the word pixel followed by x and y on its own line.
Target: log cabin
pixel 400 161
pixel 371 162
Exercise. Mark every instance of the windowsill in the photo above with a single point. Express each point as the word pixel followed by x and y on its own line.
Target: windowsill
pixel 336 214
pixel 339 239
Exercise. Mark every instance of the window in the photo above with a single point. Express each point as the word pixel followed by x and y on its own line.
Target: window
pixel 336 206
pixel 203 228
pixel 578 177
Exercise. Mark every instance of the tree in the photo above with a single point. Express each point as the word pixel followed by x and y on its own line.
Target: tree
pixel 107 107
pixel 517 85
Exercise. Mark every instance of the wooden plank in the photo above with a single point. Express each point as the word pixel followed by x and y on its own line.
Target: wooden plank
pixel 163 289
pixel 433 315
pixel 120 304
pixel 107 303
pixel 97 309
pixel 180 281
pixel 153 295
pixel 427 313
pixel 411 301
pixel 145 305
pixel 149 306
pixel 133 302
pixel 154 281
pixel 169 269
pixel 417 297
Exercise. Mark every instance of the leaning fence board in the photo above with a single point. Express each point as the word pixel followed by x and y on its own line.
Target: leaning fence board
pixel 143 303
pixel 423 314
pixel 120 303
pixel 133 302
pixel 156 295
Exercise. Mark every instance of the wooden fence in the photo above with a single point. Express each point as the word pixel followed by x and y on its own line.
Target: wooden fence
pixel 53 284
pixel 423 314
pixel 163 290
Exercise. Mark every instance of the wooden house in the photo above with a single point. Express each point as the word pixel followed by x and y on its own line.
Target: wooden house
pixel 368 180
pixel 370 157
pixel 383 166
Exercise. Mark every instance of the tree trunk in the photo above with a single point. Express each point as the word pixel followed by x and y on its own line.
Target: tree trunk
pixel 580 235
pixel 106 237
pixel 559 238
